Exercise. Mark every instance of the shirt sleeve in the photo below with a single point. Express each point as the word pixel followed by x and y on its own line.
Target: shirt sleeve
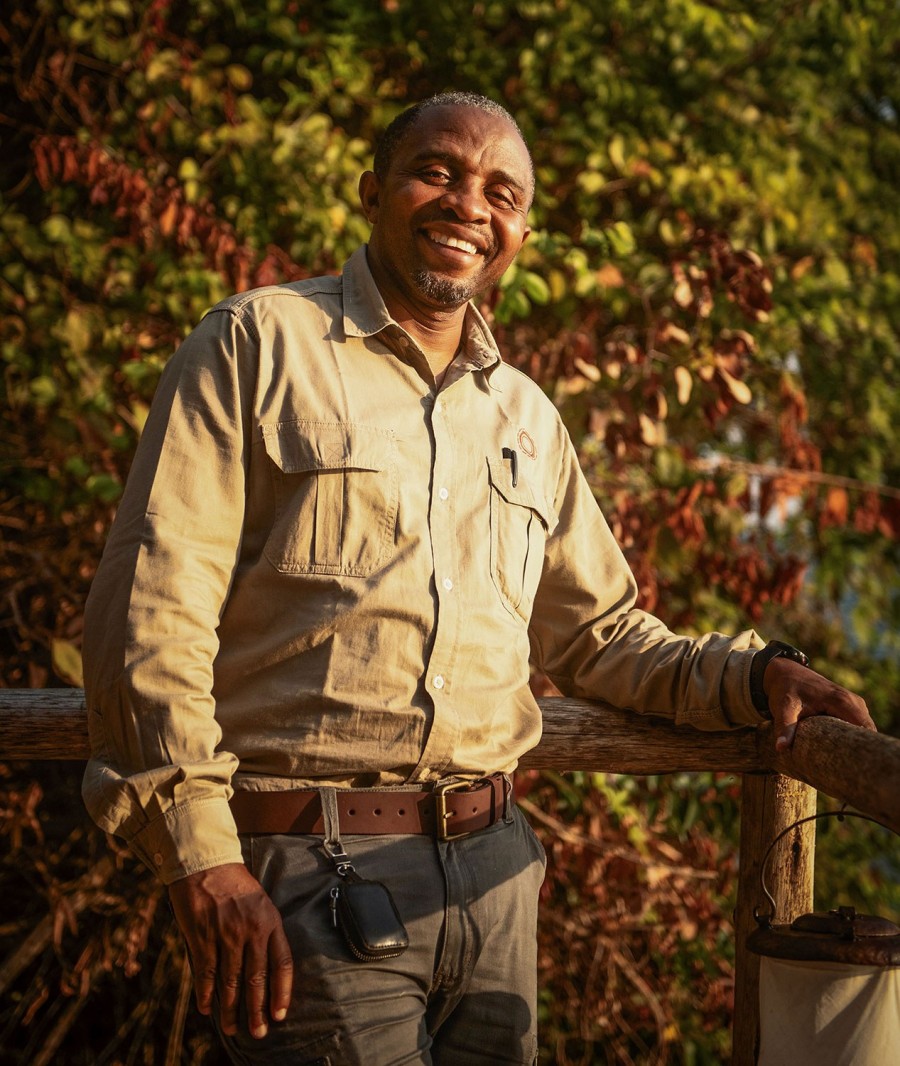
pixel 156 777
pixel 593 643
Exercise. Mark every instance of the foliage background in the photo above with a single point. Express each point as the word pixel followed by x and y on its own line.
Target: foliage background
pixel 710 295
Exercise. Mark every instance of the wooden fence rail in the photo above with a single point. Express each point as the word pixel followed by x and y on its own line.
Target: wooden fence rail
pixel 852 766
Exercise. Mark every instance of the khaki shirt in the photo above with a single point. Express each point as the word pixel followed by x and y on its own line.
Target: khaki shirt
pixel 324 572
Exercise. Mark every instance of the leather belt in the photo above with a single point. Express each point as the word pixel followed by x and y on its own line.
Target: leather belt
pixel 445 811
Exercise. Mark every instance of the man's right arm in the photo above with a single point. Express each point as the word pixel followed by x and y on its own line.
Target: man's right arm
pixel 156 776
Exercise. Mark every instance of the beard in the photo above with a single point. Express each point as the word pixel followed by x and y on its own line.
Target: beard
pixel 443 290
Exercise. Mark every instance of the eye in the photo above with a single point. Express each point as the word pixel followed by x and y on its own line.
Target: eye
pixel 435 175
pixel 502 196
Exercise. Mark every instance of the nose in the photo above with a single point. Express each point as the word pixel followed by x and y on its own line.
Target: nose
pixel 467 201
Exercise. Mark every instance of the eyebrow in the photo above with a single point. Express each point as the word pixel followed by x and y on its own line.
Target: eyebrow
pixel 502 176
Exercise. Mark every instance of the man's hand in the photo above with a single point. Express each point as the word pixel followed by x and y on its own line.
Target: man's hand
pixel 236 941
pixel 796 692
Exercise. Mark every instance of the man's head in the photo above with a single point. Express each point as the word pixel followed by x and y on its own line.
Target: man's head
pixel 448 202
pixel 406 121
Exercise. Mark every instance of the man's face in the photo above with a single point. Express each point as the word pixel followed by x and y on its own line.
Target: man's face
pixel 450 214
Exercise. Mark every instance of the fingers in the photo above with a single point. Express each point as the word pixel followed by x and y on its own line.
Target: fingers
pixel 251 970
pixel 281 974
pixel 204 981
pixel 255 983
pixel 852 709
pixel 267 967
pixel 230 981
pixel 237 946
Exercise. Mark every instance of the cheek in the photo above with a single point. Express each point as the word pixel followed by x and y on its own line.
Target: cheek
pixel 510 237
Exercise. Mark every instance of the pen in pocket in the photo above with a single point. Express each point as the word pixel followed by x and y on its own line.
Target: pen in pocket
pixel 510 453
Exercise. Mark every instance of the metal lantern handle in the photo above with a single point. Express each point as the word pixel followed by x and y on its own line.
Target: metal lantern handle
pixel 766 920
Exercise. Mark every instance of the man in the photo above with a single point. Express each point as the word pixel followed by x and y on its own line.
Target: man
pixel 348 530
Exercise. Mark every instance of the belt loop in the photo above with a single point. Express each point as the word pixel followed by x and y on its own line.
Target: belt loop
pixel 507 799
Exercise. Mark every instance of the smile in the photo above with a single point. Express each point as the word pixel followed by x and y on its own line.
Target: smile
pixel 453 242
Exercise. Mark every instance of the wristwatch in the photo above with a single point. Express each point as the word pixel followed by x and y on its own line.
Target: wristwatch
pixel 775 649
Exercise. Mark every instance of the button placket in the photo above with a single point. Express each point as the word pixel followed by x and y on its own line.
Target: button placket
pixel 442 532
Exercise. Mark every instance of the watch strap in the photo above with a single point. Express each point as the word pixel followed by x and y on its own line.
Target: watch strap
pixel 775 649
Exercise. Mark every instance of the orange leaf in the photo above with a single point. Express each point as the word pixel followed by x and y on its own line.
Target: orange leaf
pixel 610 276
pixel 837 505
pixel 168 219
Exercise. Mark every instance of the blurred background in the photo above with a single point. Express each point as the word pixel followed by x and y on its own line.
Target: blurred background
pixel 710 296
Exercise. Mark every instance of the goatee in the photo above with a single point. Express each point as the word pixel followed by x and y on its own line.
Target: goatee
pixel 442 290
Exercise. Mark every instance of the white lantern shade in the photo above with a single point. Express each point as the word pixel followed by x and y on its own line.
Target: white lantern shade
pixel 828 1014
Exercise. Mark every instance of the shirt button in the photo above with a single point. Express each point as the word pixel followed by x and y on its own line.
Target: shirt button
pixel 158 859
pixel 438 682
pixel 448 584
pixel 444 493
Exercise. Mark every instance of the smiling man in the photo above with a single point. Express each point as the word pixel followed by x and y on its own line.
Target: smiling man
pixel 349 531
pixel 448 210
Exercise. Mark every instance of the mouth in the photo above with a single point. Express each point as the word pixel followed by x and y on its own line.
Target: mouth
pixel 456 243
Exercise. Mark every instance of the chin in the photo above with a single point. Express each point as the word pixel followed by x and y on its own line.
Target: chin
pixel 443 290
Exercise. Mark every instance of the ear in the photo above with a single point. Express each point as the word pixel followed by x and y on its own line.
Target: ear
pixel 368 195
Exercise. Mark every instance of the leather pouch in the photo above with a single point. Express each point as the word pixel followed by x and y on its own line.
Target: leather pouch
pixel 367 916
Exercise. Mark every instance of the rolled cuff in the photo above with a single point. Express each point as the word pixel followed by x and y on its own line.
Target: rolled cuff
pixel 736 701
pixel 189 838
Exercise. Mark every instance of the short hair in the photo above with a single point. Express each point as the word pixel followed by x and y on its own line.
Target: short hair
pixel 406 121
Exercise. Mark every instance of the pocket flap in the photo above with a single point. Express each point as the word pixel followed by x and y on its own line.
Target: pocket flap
pixel 304 445
pixel 522 494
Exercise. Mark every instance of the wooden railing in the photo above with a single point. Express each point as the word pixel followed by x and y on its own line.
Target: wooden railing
pixel 852 766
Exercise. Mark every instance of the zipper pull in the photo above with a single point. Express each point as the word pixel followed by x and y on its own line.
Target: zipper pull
pixel 335 892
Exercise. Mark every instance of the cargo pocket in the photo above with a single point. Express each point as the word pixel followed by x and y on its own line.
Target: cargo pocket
pixel 336 488
pixel 521 519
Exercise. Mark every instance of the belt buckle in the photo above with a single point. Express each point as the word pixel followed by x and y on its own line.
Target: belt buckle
pixel 442 815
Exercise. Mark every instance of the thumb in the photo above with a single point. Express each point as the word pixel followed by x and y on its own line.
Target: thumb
pixel 785 737
pixel 786 716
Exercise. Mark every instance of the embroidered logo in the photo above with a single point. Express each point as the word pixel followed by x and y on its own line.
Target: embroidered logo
pixel 526 444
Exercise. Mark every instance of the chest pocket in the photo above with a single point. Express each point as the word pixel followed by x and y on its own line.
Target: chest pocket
pixel 521 520
pixel 336 489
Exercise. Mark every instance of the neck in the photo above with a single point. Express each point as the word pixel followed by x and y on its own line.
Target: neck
pixel 437 330
pixel 439 335
pixel 439 347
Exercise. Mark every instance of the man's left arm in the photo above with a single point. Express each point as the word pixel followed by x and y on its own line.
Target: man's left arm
pixel 594 643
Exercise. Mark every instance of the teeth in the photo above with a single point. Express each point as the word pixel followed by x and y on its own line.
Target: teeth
pixel 453 242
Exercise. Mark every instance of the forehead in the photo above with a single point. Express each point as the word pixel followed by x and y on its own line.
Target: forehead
pixel 488 142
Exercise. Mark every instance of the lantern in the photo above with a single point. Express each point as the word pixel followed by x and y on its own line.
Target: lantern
pixel 829 984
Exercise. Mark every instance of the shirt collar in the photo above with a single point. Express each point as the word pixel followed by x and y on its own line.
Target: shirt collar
pixel 365 315
pixel 364 310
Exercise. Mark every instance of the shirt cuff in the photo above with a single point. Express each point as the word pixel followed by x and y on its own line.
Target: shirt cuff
pixel 736 700
pixel 189 838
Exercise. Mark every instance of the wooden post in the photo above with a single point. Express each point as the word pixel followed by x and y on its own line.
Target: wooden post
pixel 769 804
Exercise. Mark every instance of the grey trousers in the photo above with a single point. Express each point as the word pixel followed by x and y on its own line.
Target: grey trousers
pixel 464 992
